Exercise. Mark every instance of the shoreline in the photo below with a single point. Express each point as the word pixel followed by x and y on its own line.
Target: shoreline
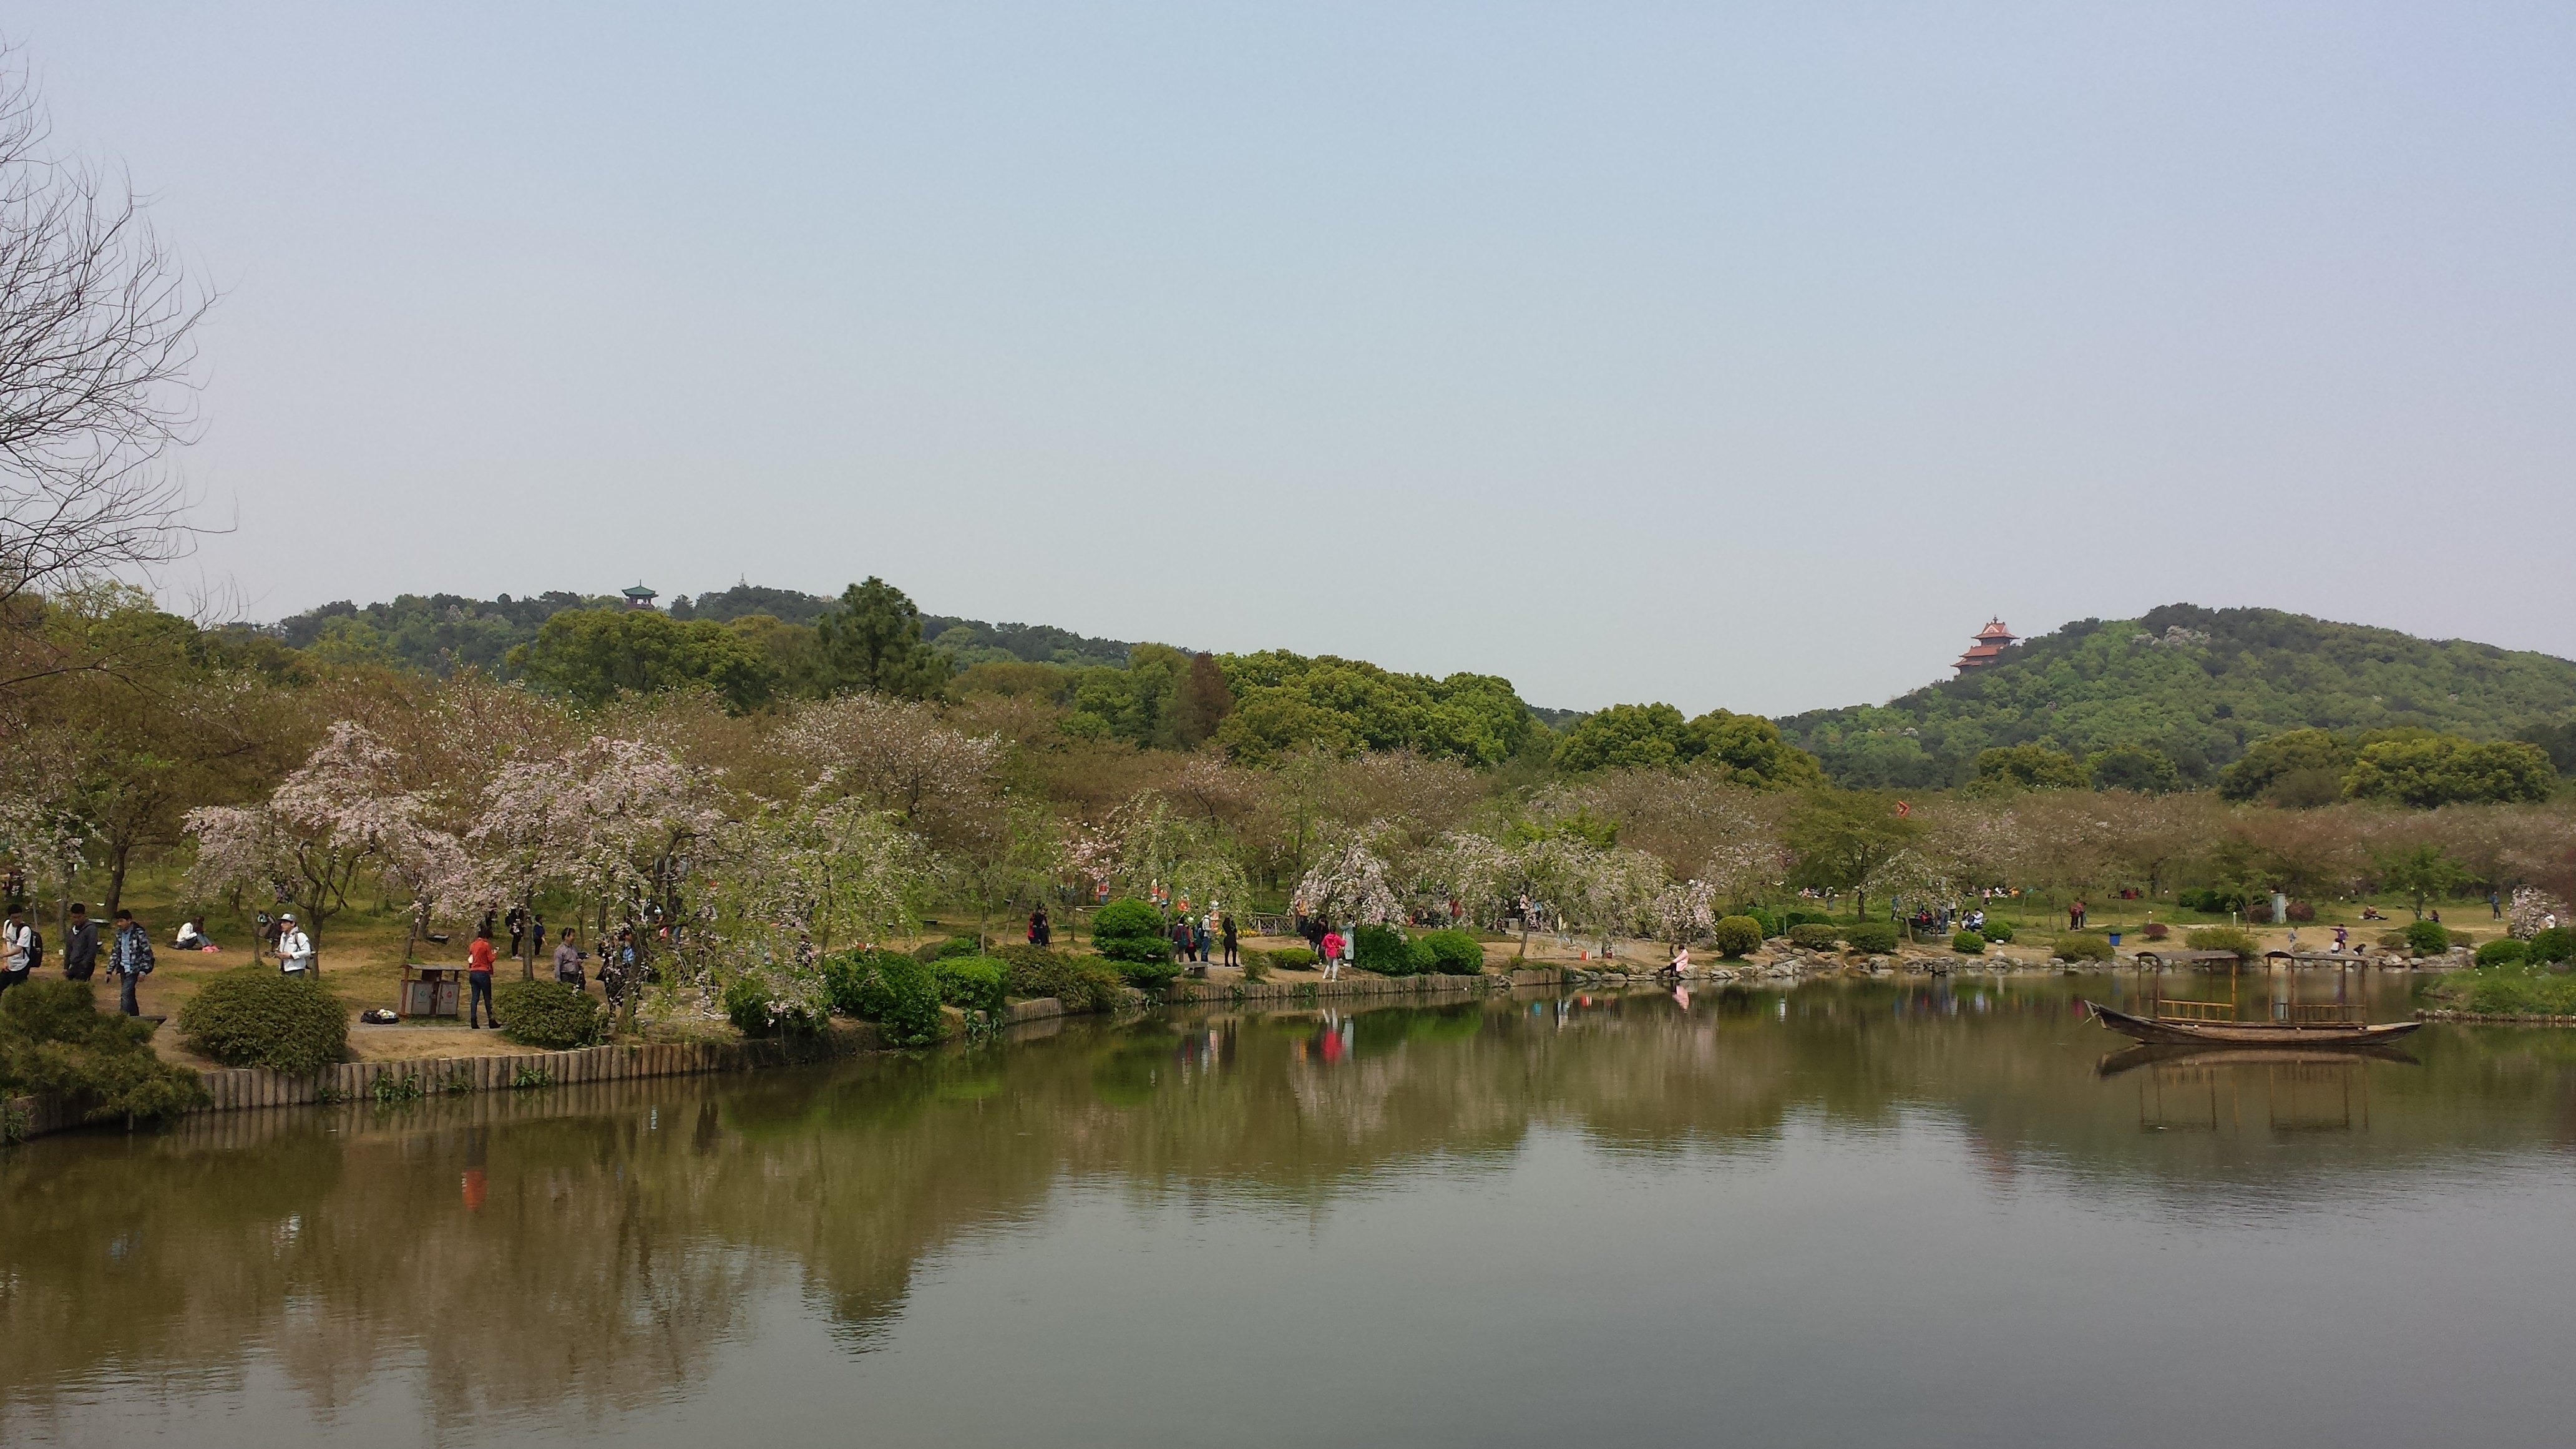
pixel 390 1080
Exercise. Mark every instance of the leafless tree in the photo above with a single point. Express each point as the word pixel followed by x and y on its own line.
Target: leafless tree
pixel 97 365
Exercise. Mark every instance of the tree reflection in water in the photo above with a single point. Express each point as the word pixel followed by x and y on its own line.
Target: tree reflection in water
pixel 584 1249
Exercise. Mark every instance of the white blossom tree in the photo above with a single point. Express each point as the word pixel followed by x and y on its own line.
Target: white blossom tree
pixel 341 814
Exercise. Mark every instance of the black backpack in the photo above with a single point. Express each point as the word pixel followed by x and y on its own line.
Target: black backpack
pixel 35 948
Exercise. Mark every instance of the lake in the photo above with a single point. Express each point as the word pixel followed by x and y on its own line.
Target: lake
pixel 1916 1214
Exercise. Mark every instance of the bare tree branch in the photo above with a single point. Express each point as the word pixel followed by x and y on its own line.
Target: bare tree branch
pixel 97 366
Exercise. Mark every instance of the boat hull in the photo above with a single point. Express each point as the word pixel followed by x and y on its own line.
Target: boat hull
pixel 2247 1033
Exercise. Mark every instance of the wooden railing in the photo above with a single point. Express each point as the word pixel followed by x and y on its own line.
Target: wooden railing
pixel 2196 1010
pixel 2335 1012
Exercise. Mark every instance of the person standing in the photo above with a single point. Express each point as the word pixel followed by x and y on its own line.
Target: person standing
pixel 478 980
pixel 129 959
pixel 294 948
pixel 1331 947
pixel 1039 928
pixel 1225 932
pixel 567 960
pixel 17 948
pixel 517 921
pixel 80 945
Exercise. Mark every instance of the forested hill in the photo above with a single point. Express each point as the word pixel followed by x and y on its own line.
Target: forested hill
pixel 439 633
pixel 2198 685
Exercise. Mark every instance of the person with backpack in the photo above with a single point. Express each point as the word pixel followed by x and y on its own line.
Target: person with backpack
pixel 294 948
pixel 129 960
pixel 20 948
pixel 80 945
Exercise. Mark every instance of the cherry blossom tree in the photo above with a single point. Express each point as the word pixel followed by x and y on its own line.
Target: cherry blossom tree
pixel 609 821
pixel 894 755
pixel 1350 884
pixel 340 814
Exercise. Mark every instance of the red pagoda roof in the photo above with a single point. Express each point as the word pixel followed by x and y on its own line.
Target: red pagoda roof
pixel 1988 647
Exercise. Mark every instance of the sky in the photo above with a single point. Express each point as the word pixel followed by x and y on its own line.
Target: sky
pixel 1746 356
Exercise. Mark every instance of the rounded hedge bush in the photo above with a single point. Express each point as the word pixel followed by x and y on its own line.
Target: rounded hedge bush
pixel 1082 983
pixel 550 1014
pixel 1968 943
pixel 2553 945
pixel 1764 919
pixel 2085 946
pixel 1293 958
pixel 2223 938
pixel 2505 951
pixel 1386 951
pixel 755 1009
pixel 2155 930
pixel 2427 938
pixel 252 1016
pixel 1735 935
pixel 1996 931
pixel 942 950
pixel 1130 932
pixel 970 983
pixel 1454 952
pixel 1870 938
pixel 1814 936
pixel 897 992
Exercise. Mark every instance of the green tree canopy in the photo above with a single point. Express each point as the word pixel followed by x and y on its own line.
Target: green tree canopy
pixel 2433 770
pixel 1844 839
pixel 2132 767
pixel 871 642
pixel 593 654
pixel 1656 737
pixel 2032 767
pixel 1284 701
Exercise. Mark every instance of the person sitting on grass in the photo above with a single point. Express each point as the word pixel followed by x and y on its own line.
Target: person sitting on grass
pixel 192 936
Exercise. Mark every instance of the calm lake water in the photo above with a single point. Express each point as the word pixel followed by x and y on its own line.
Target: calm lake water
pixel 1916 1215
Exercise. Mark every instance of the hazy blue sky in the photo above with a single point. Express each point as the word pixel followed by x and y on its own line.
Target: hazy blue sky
pixel 1741 355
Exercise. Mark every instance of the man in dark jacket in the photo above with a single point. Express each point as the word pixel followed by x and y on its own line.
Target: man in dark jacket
pixel 129 960
pixel 80 945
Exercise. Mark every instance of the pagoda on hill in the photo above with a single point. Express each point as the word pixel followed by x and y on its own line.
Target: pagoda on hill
pixel 639 597
pixel 1990 644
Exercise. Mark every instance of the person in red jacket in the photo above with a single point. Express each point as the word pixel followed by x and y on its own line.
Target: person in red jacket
pixel 478 974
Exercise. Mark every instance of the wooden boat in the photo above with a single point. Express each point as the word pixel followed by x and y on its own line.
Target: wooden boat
pixel 2174 1028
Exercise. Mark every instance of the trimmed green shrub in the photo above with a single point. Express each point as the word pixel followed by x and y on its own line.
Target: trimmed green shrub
pixel 970 983
pixel 1292 958
pixel 2504 952
pixel 2427 938
pixel 1765 919
pixel 252 1016
pixel 550 1014
pixel 2155 930
pixel 897 992
pixel 1082 983
pixel 1997 932
pixel 2223 938
pixel 930 951
pixel 1870 938
pixel 2553 945
pixel 1454 952
pixel 1386 951
pixel 1814 935
pixel 2085 946
pixel 1130 932
pixel 2392 940
pixel 1968 943
pixel 53 1038
pixel 1794 917
pixel 1735 935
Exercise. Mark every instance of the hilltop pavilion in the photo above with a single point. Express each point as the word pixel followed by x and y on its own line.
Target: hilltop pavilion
pixel 1989 646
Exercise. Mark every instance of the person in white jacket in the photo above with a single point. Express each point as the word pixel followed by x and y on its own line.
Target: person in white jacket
pixel 294 948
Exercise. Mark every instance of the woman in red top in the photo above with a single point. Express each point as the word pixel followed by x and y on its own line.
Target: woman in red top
pixel 478 975
pixel 1332 953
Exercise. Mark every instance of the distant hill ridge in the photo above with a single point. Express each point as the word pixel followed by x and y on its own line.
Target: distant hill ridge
pixel 2199 685
pixel 439 633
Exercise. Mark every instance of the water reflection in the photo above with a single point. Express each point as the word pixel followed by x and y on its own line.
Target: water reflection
pixel 586 1253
